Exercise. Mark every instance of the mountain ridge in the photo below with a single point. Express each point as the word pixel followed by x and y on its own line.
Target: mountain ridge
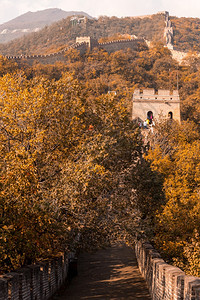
pixel 184 33
pixel 64 32
pixel 33 22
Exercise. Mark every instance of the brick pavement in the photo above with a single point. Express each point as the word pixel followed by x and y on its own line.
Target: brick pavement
pixel 110 273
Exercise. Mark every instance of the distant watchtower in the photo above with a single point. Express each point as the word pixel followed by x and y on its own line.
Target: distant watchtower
pixel 88 40
pixel 149 104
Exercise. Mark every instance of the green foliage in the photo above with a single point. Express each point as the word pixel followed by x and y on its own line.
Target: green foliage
pixel 122 71
pixel 7 66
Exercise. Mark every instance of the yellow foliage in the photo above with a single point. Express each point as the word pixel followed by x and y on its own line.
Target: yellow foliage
pixel 62 157
pixel 175 155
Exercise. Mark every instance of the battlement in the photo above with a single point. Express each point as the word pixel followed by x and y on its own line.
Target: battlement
pixel 111 46
pixel 157 96
pixel 156 104
pixel 50 58
pixel 87 40
pixel 83 39
pixel 82 45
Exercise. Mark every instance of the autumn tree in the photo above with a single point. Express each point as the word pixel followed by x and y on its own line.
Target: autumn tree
pixel 66 166
pixel 35 126
pixel 175 155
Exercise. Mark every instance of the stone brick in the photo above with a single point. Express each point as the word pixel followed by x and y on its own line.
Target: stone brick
pixel 165 282
pixel 192 285
pixel 44 280
pixel 162 105
pixel 35 282
pixel 14 285
pixel 25 283
pixel 3 289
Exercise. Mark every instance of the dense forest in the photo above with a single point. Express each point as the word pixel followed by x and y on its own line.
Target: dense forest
pixel 73 162
pixel 186 33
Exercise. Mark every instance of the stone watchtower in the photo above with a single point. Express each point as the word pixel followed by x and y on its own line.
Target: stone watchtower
pixel 88 40
pixel 157 105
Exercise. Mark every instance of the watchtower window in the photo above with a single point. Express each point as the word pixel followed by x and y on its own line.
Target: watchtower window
pixel 170 115
pixel 150 116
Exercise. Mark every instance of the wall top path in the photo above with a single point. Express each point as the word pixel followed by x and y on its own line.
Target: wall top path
pixel 110 273
pixel 81 42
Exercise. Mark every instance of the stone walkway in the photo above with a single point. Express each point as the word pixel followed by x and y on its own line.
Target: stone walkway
pixel 111 273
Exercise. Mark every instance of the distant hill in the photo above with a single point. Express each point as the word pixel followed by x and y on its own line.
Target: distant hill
pixel 62 33
pixel 65 31
pixel 33 22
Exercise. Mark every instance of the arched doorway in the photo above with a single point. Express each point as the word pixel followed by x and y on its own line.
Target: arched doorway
pixel 150 116
pixel 170 115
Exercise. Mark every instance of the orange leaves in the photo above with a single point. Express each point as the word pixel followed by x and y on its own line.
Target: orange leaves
pixel 159 163
pixel 62 154
pixel 34 128
pixel 175 155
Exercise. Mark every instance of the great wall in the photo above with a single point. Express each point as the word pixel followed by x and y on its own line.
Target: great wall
pixel 164 281
pixel 39 281
pixel 83 43
pixel 169 35
pixel 82 46
pixel 42 280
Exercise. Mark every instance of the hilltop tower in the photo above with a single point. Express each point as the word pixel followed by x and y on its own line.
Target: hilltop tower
pixel 88 40
pixel 156 105
pixel 168 32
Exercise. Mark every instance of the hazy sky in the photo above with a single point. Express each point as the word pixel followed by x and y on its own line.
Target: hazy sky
pixel 10 9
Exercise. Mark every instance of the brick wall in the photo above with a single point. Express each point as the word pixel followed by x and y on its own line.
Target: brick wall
pixel 37 282
pixel 49 58
pixel 82 48
pixel 160 104
pixel 165 281
pixel 113 46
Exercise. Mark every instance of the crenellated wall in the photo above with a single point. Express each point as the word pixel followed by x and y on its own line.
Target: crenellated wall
pixel 165 282
pixel 168 32
pixel 38 282
pixel 41 281
pixel 50 58
pixel 113 46
pixel 169 36
pixel 82 45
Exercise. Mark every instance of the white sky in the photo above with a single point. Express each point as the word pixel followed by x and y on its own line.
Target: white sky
pixel 10 9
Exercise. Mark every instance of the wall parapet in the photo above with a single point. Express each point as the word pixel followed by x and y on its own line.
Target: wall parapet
pixel 56 56
pixel 160 95
pixel 82 45
pixel 117 45
pixel 163 280
pixel 39 281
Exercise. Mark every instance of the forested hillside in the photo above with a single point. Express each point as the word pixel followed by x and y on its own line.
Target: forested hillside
pixel 186 33
pixel 64 33
pixel 73 161
pixel 33 22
